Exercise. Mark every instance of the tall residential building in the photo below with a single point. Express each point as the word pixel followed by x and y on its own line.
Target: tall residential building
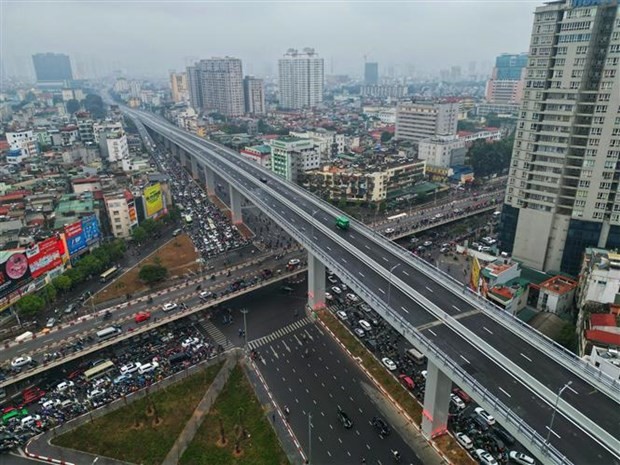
pixel 300 79
pixel 52 69
pixel 114 146
pixel 254 95
pixel 178 87
pixel 416 121
pixel 562 193
pixel 371 74
pixel 122 213
pixel 292 156
pixel 194 88
pixel 507 79
pixel 222 85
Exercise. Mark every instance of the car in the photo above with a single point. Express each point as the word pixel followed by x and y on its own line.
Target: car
pixel 332 279
pixel 389 230
pixel 63 386
pixel 413 240
pixel 407 382
pixel 344 419
pixel 352 297
pixel 484 248
pixel 427 243
pixel 521 458
pixel 147 367
pixel 21 361
pixel 294 262
pixel 123 377
pixel 50 323
pixel 344 287
pixel 342 315
pixel 381 426
pixel 30 420
pixel 71 308
pixel 97 392
pixel 190 341
pixel 169 306
pixel 389 364
pixel 365 308
pixel 457 401
pixel 504 435
pixel 464 441
pixel 142 316
pixel 51 403
pixel 438 216
pixel 359 332
pixel 129 368
pixel 263 180
pixel 328 296
pixel 462 394
pixel 336 290
pixel 424 373
pixel 485 457
pixel 204 295
pixel 482 413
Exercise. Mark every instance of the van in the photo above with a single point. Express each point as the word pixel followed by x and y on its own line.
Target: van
pixel 24 336
pixel 416 356
pixel 178 358
pixel 365 325
pixel 176 232
pixel 108 332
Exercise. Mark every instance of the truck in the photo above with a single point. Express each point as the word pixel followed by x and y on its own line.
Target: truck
pixel 342 222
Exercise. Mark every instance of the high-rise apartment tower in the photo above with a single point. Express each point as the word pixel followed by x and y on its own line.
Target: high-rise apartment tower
pixel 563 187
pixel 300 79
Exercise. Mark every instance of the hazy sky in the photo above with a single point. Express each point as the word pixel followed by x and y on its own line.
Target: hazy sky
pixel 151 37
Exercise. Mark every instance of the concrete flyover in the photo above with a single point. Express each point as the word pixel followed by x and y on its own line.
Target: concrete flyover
pixel 511 370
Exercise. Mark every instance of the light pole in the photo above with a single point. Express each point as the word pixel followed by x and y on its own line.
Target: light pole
pixel 309 438
pixel 314 213
pixel 555 409
pixel 245 329
pixel 390 284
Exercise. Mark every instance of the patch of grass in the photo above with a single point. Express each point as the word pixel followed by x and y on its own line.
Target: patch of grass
pixel 453 451
pixel 237 408
pixel 178 256
pixel 130 433
pixel 407 402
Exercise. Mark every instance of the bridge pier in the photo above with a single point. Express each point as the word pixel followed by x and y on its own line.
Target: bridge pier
pixel 194 168
pixel 436 402
pixel 209 180
pixel 235 205
pixel 316 283
pixel 184 160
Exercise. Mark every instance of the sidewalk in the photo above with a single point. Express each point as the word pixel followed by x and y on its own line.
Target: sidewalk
pixel 192 425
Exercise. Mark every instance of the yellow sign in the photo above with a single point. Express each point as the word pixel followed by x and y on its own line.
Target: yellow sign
pixel 475 274
pixel 153 199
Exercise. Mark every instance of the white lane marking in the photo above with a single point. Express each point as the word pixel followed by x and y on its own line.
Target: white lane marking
pixel 344 259
pixel 456 308
pixel 504 391
pixel 571 389
pixel 286 347
pixel 526 357
pixel 487 330
pixel 328 247
pixel 554 433
pixel 432 332
pixel 466 361
pixel 428 289
pixel 366 246
pixel 382 291
pixel 385 259
pixel 274 352
pixel 405 273
pixel 351 236
pixel 360 273
pixel 404 309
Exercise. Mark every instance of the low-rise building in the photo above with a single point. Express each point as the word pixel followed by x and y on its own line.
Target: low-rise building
pixel 442 151
pixel 23 144
pixel 416 121
pixel 114 146
pixel 606 359
pixel 328 143
pixel 122 213
pixel 260 154
pixel 556 295
pixel 292 156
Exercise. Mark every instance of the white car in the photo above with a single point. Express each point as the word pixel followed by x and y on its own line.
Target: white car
pixel 294 262
pixel 359 331
pixel 332 279
pixel 30 420
pixel 147 367
pixel 190 341
pixel 486 416
pixel 389 364
pixel 427 243
pixel 464 441
pixel 424 373
pixel 204 295
pixel 21 361
pixel 336 290
pixel 352 297
pixel 342 315
pixel 95 393
pixel 169 306
pixel 51 403
pixel 521 458
pixel 457 401
pixel 129 368
pixel 328 296
pixel 62 387
pixel 485 457
pixel 389 230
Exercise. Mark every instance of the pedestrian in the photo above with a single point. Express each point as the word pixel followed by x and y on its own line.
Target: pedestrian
pixel 273 417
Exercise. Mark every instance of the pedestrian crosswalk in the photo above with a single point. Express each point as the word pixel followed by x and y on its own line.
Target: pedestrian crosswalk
pixel 256 343
pixel 217 336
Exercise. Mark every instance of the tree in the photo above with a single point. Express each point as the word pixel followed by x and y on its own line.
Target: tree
pixel 139 235
pixel 568 337
pixel 90 265
pixel 72 106
pixel 150 226
pixel 465 125
pixel 94 105
pixel 48 293
pixel 386 136
pixel 152 274
pixel 63 282
pixel 31 304
pixel 75 274
pixel 490 158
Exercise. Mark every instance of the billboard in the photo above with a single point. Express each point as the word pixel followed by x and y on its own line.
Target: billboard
pixel 474 281
pixel 153 199
pixel 14 271
pixel 45 256
pixel 81 234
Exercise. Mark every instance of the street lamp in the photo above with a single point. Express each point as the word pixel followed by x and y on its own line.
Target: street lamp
pixel 390 284
pixel 555 409
pixel 309 438
pixel 314 213
pixel 245 328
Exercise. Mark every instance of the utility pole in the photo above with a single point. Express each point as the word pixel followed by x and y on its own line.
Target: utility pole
pixel 309 438
pixel 245 328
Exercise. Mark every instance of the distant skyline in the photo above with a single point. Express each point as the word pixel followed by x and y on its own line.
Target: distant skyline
pixel 150 38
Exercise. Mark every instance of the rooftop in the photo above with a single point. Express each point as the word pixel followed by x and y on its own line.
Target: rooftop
pixel 559 285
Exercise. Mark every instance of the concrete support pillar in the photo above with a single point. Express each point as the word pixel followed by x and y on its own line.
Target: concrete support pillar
pixel 174 150
pixel 194 168
pixel 235 205
pixel 436 402
pixel 210 180
pixel 316 283
pixel 184 160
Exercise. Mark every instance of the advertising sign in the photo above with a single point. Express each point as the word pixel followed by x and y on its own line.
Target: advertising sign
pixel 153 199
pixel 76 240
pixel 14 271
pixel 45 256
pixel 90 228
pixel 475 274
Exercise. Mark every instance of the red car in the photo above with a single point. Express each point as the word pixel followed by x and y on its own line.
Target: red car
pixel 142 316
pixel 407 382
pixel 464 397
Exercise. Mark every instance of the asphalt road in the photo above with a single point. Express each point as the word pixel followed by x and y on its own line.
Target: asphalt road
pixel 596 405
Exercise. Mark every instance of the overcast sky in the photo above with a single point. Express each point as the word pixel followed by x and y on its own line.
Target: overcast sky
pixel 152 37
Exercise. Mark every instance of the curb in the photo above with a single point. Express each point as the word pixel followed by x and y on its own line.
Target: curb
pixel 46 459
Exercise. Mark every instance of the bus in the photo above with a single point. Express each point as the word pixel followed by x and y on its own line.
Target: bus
pixel 188 219
pixel 99 370
pixel 396 217
pixel 416 356
pixel 105 276
pixel 108 332
pixel 342 222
